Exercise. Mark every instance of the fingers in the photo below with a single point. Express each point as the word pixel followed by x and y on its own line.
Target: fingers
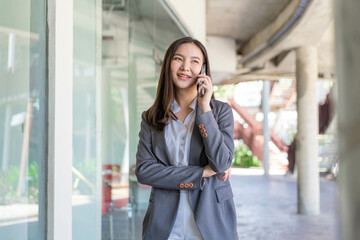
pixel 205 82
pixel 205 79
pixel 226 174
pixel 208 172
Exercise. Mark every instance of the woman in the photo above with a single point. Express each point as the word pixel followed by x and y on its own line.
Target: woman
pixel 185 152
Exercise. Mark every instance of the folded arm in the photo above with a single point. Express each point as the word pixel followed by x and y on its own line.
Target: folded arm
pixel 152 172
pixel 218 137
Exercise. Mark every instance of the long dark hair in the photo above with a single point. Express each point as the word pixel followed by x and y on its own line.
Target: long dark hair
pixel 160 112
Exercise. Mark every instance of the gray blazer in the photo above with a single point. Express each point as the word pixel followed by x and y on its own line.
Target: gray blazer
pixel 211 198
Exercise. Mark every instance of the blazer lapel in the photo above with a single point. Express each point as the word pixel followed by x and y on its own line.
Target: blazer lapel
pixel 160 148
pixel 196 144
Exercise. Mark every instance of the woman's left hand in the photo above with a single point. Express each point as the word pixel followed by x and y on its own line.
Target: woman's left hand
pixel 226 174
pixel 204 101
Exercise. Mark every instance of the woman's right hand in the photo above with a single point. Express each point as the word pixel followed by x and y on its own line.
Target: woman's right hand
pixel 208 172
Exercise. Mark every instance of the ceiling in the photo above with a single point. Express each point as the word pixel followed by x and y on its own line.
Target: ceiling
pixel 241 19
pixel 252 23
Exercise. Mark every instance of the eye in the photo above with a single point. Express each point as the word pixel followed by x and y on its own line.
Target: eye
pixel 177 58
pixel 195 61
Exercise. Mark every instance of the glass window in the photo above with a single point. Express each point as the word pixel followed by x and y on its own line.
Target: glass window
pixel 23 107
pixel 115 120
pixel 107 111
pixel 86 170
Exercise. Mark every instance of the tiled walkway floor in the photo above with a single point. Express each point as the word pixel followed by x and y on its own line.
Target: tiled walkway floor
pixel 267 210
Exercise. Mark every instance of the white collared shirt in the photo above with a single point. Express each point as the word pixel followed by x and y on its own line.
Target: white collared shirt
pixel 178 137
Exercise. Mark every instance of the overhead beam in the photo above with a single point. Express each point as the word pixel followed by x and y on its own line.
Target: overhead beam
pixel 248 78
pixel 307 30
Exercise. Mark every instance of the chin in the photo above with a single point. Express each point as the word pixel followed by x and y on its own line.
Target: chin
pixel 189 88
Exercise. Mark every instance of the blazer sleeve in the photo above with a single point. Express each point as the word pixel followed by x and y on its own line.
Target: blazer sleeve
pixel 218 137
pixel 150 171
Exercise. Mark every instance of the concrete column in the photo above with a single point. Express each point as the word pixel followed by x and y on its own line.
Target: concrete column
pixel 347 34
pixel 306 154
pixel 266 133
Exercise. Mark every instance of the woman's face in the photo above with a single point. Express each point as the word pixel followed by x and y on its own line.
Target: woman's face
pixel 186 65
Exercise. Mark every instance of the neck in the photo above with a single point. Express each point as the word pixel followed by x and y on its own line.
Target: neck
pixel 185 97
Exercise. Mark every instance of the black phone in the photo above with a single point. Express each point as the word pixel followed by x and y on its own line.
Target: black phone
pixel 203 71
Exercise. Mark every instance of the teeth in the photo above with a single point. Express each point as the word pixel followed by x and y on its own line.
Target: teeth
pixel 184 76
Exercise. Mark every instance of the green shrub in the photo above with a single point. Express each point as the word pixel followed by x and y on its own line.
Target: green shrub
pixel 33 185
pixel 9 182
pixel 243 157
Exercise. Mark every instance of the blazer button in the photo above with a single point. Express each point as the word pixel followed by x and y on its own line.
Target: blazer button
pixel 205 135
pixel 201 125
pixel 191 185
pixel 181 185
pixel 186 185
pixel 203 130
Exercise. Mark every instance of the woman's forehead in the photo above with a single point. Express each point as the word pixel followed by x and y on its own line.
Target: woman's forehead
pixel 189 50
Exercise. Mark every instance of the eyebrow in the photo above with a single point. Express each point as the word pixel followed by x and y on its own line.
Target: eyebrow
pixel 183 56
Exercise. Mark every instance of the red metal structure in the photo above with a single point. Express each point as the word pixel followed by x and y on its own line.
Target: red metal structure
pixel 110 178
pixel 252 134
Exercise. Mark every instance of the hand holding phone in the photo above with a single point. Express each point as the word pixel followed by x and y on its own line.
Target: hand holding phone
pixel 203 71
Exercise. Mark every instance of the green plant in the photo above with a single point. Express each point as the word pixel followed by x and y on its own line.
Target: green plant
pixel 33 175
pixel 88 172
pixel 9 182
pixel 244 157
pixel 224 91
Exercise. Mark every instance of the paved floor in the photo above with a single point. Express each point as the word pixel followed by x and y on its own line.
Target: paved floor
pixel 266 210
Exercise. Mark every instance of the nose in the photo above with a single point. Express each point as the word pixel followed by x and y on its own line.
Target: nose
pixel 185 66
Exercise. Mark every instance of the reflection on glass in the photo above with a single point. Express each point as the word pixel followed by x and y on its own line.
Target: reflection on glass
pixel 86 197
pixel 126 88
pixel 115 121
pixel 22 119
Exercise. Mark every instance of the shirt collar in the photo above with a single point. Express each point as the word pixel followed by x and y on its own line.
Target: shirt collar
pixel 175 107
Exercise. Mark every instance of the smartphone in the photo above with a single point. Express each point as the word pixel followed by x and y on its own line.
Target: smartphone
pixel 203 71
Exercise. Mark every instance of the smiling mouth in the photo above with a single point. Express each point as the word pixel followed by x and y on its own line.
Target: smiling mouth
pixel 183 77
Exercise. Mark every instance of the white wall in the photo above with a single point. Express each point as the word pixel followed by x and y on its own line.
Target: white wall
pixel 191 15
pixel 222 57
